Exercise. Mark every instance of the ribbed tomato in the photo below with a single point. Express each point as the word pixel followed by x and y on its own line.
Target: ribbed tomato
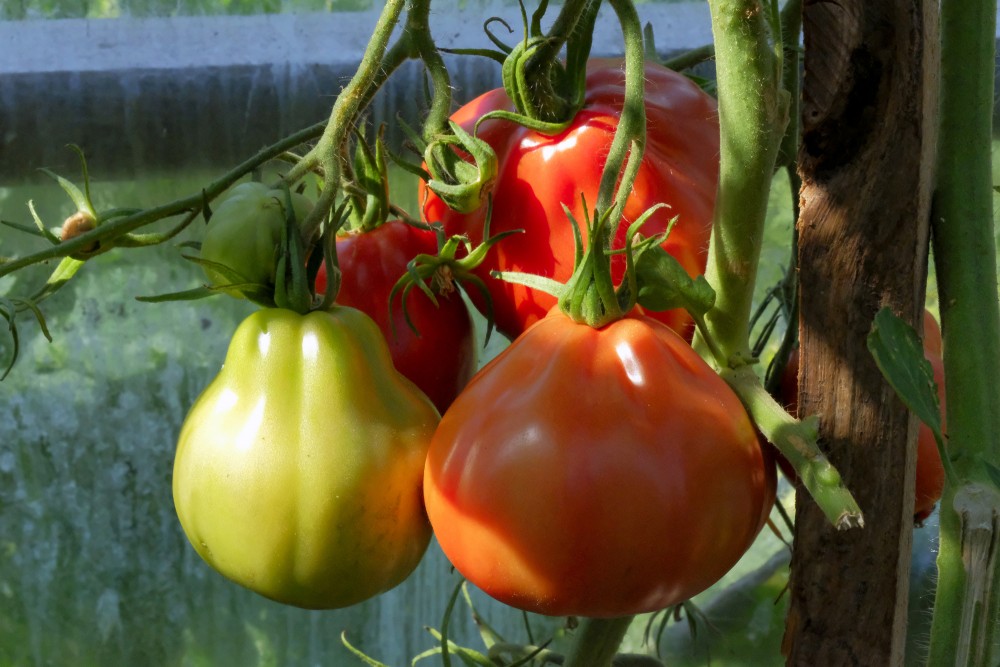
pixel 596 472
pixel 299 468
pixel 538 174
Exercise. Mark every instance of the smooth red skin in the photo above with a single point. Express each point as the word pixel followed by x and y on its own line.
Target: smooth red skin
pixel 930 470
pixel 538 174
pixel 596 473
pixel 442 357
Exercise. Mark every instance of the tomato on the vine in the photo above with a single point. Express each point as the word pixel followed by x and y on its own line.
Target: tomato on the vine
pixel 596 472
pixel 299 469
pixel 244 234
pixel 930 470
pixel 538 174
pixel 440 356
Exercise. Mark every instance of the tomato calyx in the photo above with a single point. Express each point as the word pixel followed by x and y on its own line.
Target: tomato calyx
pixel 462 185
pixel 547 92
pixel 368 191
pixel 438 274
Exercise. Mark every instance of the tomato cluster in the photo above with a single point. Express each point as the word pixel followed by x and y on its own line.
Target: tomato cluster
pixel 587 470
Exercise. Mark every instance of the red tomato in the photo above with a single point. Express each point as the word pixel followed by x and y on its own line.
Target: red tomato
pixel 539 173
pixel 439 359
pixel 596 472
pixel 933 344
pixel 930 471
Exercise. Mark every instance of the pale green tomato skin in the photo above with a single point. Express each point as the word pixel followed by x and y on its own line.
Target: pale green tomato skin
pixel 244 234
pixel 299 470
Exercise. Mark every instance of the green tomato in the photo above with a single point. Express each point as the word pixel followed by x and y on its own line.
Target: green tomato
pixel 244 235
pixel 299 470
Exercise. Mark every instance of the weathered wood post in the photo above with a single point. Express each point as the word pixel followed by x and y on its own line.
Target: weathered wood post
pixel 866 156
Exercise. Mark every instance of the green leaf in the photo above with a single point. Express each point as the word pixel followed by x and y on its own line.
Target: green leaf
pixel 899 354
pixel 665 285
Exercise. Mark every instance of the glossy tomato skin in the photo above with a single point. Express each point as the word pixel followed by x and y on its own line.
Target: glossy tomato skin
pixel 244 233
pixel 537 174
pixel 298 470
pixel 930 471
pixel 440 356
pixel 596 472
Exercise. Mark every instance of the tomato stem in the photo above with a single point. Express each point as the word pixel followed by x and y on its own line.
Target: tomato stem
pixel 328 152
pixel 596 641
pixel 753 112
pixel 965 262
pixel 797 441
pixel 629 142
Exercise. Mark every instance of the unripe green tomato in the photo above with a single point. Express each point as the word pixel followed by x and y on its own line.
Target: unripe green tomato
pixel 244 234
pixel 299 470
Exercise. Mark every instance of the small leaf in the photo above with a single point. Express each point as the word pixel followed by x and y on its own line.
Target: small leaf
pixel 899 354
pixel 665 285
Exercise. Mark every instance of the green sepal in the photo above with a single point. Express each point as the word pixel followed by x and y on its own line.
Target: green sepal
pixel 543 127
pixel 424 268
pixel 492 54
pixel 237 285
pixel 532 280
pixel 499 43
pixel 464 186
pixel 663 284
pixel 291 289
pixel 370 199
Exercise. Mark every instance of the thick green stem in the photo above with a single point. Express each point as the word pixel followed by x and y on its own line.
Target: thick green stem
pixel 753 114
pixel 753 111
pixel 965 263
pixel 596 641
